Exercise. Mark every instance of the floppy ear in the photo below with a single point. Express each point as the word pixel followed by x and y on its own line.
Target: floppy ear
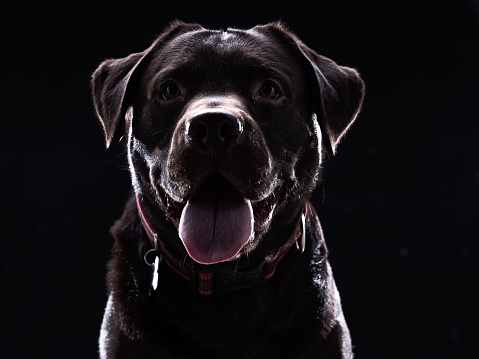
pixel 113 81
pixel 109 87
pixel 339 94
pixel 338 91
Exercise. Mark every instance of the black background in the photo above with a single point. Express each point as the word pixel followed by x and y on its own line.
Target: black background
pixel 399 206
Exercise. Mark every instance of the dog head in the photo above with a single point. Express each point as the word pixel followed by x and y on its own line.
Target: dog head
pixel 226 132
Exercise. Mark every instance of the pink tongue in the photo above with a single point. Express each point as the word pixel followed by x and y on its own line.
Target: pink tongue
pixel 216 223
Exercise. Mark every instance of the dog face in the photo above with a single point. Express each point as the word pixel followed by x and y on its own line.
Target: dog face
pixel 226 131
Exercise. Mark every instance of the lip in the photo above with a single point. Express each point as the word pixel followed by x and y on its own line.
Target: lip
pixel 262 209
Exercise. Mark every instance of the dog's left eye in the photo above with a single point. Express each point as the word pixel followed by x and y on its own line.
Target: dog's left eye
pixel 269 91
pixel 170 90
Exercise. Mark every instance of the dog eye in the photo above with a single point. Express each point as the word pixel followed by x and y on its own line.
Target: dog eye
pixel 269 91
pixel 170 90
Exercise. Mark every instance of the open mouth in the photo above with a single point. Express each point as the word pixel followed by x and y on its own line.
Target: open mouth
pixel 217 222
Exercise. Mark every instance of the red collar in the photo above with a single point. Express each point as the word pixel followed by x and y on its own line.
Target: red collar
pixel 217 278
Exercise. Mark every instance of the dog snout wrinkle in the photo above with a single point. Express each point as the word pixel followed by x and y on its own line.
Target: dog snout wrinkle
pixel 214 130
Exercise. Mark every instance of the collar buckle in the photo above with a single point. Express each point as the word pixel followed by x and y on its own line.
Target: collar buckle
pixel 218 279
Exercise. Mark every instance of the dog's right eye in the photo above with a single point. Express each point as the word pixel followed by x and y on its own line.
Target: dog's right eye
pixel 170 90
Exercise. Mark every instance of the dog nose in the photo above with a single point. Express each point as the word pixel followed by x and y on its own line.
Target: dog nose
pixel 214 129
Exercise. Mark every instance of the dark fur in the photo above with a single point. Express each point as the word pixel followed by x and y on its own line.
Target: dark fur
pixel 295 314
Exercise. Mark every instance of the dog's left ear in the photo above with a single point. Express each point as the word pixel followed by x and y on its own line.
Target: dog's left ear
pixel 338 91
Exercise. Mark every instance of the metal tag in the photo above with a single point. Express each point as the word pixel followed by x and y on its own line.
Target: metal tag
pixel 155 263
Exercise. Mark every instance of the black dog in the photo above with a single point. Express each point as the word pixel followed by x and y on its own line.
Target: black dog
pixel 218 253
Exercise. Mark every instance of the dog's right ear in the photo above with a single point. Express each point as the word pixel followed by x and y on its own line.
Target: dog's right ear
pixel 109 87
pixel 113 80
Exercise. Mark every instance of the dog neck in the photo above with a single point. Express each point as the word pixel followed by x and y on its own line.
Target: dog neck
pixel 220 278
